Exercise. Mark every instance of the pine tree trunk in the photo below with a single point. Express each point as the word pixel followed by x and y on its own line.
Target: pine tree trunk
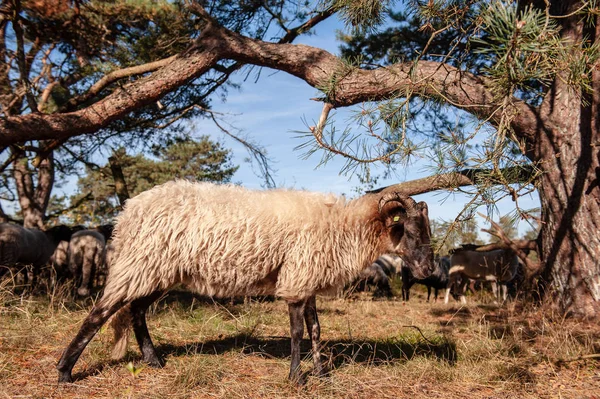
pixel 34 196
pixel 568 147
pixel 570 235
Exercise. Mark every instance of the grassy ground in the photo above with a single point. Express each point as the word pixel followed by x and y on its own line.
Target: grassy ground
pixel 374 349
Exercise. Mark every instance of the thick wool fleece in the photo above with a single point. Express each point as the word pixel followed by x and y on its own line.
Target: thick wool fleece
pixel 224 240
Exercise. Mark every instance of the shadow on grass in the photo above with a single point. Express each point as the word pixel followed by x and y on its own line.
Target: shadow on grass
pixel 458 315
pixel 95 369
pixel 339 352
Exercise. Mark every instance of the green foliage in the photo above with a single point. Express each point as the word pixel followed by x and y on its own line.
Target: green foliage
pixel 447 235
pixel 361 15
pixel 523 47
pixel 201 160
pixel 408 35
pixel 133 370
pixel 517 49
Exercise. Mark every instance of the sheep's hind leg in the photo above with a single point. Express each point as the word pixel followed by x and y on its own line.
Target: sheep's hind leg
pixel 314 331
pixel 97 317
pixel 140 329
pixel 296 312
pixel 87 275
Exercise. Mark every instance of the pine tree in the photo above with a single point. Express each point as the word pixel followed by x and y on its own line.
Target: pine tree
pixel 202 160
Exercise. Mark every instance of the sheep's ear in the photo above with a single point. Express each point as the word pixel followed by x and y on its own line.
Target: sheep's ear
pixel 423 209
pixel 423 212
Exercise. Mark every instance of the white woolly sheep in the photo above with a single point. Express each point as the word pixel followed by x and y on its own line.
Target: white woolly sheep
pixel 223 241
pixel 498 266
pixel 19 245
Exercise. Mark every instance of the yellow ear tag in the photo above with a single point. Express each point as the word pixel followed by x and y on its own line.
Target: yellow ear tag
pixel 396 218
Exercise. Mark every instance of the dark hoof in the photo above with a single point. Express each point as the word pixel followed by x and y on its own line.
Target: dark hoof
pixel 155 362
pixel 64 376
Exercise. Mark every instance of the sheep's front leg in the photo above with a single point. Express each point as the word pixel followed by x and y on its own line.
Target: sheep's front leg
pixel 447 296
pixel 314 331
pixel 462 289
pixel 452 282
pixel 296 311
pixel 504 288
pixel 90 327
pixel 496 291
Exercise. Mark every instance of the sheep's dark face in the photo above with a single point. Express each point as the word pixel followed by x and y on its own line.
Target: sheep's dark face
pixel 410 236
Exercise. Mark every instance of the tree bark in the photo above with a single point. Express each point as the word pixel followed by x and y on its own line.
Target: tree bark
pixel 34 196
pixel 119 178
pixel 568 145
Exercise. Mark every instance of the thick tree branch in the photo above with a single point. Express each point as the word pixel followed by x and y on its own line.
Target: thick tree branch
pixel 116 75
pixel 345 86
pixel 118 104
pixel 465 177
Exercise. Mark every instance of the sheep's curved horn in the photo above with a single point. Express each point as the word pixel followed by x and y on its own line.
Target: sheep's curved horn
pixel 407 202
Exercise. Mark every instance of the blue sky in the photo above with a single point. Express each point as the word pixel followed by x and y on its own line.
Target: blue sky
pixel 272 109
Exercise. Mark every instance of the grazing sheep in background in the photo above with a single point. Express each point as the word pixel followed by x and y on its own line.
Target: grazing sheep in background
pixel 224 241
pixel 59 262
pixel 438 280
pixel 375 276
pixel 498 266
pixel 109 254
pixel 379 274
pixel 87 257
pixel 390 264
pixel 19 245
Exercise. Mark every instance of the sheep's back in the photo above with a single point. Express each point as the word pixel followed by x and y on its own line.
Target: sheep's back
pixel 491 265
pixel 224 240
pixel 28 246
pixel 60 257
pixel 86 238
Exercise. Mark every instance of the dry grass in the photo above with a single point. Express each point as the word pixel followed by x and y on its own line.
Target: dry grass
pixel 242 351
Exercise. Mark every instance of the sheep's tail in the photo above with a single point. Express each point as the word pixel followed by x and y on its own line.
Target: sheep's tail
pixel 121 323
